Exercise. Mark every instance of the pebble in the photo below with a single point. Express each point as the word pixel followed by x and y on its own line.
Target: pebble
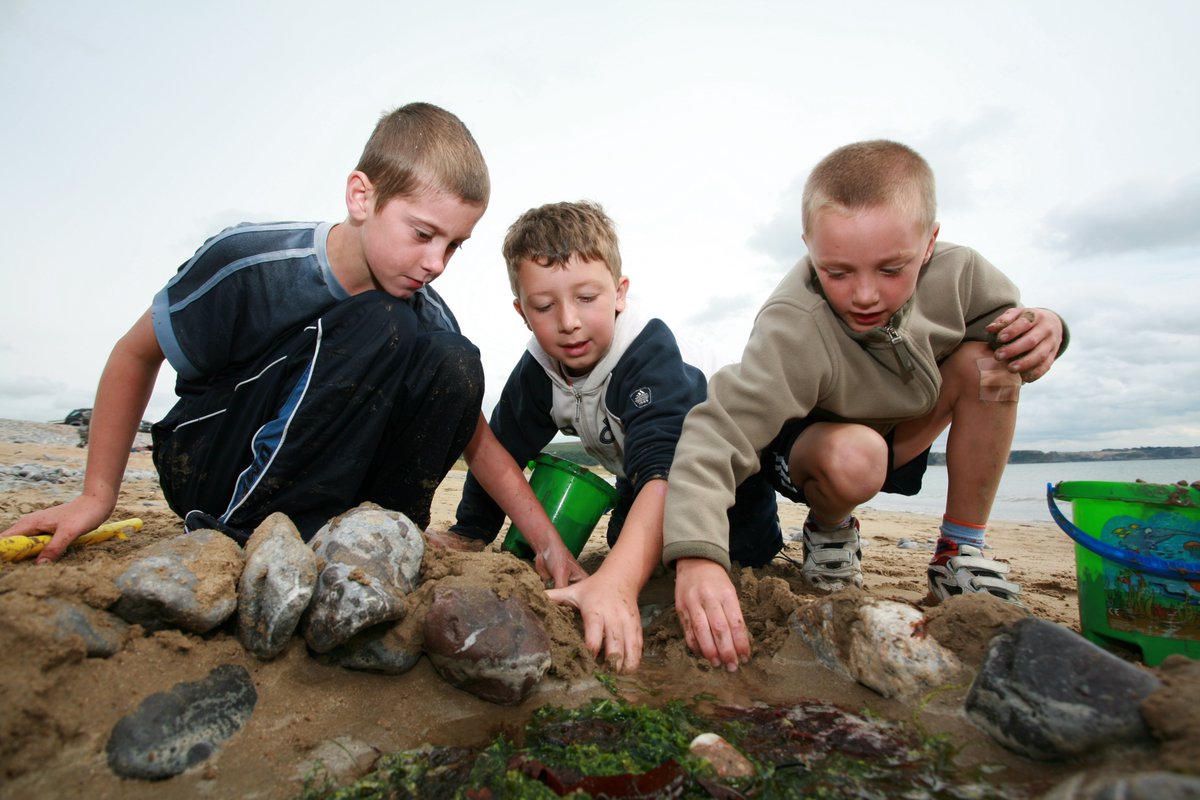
pixel 495 649
pixel 1047 693
pixel 341 759
pixel 1136 786
pixel 171 731
pixel 913 544
pixel 371 560
pixel 725 759
pixel 187 582
pixel 886 650
pixel 103 634
pixel 276 586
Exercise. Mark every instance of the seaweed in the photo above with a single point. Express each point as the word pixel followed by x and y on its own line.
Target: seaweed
pixel 614 748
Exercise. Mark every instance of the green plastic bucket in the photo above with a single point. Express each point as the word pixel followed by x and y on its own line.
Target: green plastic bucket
pixel 1137 559
pixel 574 498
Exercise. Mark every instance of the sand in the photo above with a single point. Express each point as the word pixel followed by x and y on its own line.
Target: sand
pixel 57 707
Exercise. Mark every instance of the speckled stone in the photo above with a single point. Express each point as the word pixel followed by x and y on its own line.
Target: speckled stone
pixel 371 558
pixel 171 731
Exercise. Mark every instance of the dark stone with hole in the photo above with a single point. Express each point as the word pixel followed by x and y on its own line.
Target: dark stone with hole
pixel 103 634
pixel 174 730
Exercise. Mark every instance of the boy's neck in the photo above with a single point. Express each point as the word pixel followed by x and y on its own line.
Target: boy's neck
pixel 346 258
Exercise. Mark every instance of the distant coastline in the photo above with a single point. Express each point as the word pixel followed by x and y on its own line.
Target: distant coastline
pixel 1115 454
pixel 573 451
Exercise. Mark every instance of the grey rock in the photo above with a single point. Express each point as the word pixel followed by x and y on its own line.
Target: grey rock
pixel 189 582
pixel 885 649
pixel 276 586
pixel 495 649
pixel 1138 786
pixel 377 649
pixel 371 557
pixel 1049 694
pixel 913 544
pixel 341 759
pixel 103 634
pixel 171 731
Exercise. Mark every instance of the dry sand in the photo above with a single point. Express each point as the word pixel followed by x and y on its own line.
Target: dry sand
pixel 57 707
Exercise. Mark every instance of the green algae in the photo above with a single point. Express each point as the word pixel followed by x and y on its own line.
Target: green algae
pixel 621 749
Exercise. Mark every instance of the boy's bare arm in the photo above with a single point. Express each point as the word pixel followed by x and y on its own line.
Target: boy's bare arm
pixel 710 613
pixel 608 600
pixel 1029 339
pixel 503 480
pixel 121 400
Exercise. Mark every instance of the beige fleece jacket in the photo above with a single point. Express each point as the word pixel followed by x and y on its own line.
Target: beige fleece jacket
pixel 802 360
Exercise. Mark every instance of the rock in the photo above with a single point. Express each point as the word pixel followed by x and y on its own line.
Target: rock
pixel 103 634
pixel 381 648
pixel 495 649
pixel 341 759
pixel 174 730
pixel 276 586
pixel 726 760
pixel 1138 786
pixel 882 644
pixel 189 582
pixel 1049 694
pixel 371 560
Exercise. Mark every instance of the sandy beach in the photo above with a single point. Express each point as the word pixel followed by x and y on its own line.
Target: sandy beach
pixel 58 707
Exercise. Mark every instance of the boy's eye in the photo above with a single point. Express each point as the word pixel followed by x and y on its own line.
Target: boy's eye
pixel 424 236
pixel 542 309
pixel 587 298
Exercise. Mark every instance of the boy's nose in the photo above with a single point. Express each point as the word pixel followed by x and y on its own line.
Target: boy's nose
pixel 568 319
pixel 865 293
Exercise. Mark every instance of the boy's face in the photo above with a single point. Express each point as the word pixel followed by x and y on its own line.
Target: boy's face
pixel 868 261
pixel 409 242
pixel 571 308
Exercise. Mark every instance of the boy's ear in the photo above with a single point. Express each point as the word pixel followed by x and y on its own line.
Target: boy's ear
pixel 937 227
pixel 622 290
pixel 359 195
pixel 521 312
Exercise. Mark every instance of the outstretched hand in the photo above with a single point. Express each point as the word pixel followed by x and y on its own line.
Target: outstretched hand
pixel 710 613
pixel 66 523
pixel 611 620
pixel 1028 339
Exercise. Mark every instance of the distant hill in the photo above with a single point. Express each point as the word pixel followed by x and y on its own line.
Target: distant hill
pixel 1117 454
pixel 573 451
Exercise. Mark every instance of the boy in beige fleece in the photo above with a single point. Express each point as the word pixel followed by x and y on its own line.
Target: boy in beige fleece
pixel 867 350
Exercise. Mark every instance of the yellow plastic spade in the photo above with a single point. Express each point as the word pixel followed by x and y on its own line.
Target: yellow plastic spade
pixel 15 548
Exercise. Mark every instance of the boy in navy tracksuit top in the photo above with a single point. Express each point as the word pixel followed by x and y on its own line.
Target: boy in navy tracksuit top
pixel 317 368
pixel 598 370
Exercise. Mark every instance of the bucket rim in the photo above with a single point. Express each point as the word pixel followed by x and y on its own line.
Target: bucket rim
pixel 1166 494
pixel 577 471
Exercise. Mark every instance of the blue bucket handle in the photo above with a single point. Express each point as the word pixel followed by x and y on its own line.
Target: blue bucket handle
pixel 1173 569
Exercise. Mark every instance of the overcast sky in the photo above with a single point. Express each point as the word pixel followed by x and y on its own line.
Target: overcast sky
pixel 1063 136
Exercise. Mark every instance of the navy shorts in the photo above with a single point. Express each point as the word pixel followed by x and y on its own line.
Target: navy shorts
pixel 905 479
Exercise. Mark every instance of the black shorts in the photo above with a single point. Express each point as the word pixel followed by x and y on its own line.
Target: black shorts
pixel 905 479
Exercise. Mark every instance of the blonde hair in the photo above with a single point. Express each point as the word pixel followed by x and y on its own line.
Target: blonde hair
pixel 549 235
pixel 418 146
pixel 871 174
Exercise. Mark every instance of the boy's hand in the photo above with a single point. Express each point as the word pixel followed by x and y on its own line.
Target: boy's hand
pixel 710 614
pixel 556 565
pixel 1028 339
pixel 611 619
pixel 66 523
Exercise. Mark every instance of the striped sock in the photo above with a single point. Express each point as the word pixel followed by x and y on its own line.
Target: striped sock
pixel 963 532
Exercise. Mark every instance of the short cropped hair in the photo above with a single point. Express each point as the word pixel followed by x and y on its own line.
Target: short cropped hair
pixel 870 174
pixel 549 235
pixel 421 146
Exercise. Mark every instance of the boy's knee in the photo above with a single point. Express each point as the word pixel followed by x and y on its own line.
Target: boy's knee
pixel 973 372
pixel 456 361
pixel 852 460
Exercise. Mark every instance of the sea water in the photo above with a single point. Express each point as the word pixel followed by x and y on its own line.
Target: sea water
pixel 1022 494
